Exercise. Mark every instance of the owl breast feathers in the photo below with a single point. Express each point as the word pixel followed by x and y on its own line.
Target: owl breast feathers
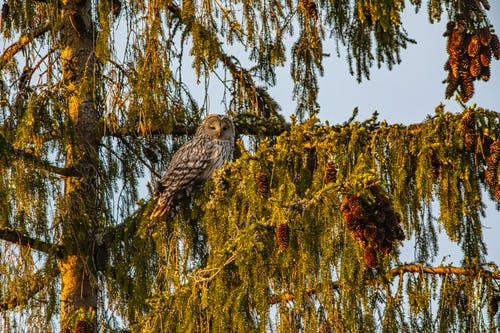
pixel 195 161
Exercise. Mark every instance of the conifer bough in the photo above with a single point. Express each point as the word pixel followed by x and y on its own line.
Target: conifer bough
pixel 84 126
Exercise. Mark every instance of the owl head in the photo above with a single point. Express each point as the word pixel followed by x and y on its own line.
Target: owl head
pixel 217 126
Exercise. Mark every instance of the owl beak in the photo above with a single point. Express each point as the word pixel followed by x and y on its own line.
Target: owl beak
pixel 218 132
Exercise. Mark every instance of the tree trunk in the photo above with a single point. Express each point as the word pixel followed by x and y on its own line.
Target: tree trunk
pixel 80 207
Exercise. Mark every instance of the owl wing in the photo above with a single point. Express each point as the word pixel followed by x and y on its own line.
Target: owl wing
pixel 187 167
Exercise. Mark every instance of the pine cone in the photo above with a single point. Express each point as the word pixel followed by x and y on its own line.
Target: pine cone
pixel 467 89
pixel 490 176
pixel 485 73
pixel 330 172
pixel 372 235
pixel 485 56
pixel 454 63
pixel 262 184
pixel 450 27
pixel 283 236
pixel 451 87
pixel 475 67
pixel 357 208
pixel 455 43
pixel 495 46
pixel 473 48
pixel 492 164
pixel 467 126
pixel 485 36
pixel 370 257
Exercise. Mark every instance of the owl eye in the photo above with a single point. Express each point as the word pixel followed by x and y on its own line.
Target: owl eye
pixel 224 128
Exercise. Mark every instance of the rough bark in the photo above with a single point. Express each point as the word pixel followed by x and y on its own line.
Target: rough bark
pixel 78 285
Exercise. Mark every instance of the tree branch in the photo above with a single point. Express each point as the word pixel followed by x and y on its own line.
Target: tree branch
pixel 31 158
pixel 399 271
pixel 44 165
pixel 446 270
pixel 22 42
pixel 27 287
pixel 17 237
pixel 246 124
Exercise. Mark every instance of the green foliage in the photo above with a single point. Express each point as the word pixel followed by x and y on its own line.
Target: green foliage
pixel 245 272
pixel 217 264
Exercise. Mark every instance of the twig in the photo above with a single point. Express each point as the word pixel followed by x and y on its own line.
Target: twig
pixel 22 42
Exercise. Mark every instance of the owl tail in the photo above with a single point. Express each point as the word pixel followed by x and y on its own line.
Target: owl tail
pixel 162 207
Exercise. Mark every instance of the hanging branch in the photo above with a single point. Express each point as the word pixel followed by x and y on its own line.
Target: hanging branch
pixel 42 164
pixel 399 271
pixel 19 238
pixel 29 286
pixel 6 149
pixel 13 49
pixel 445 270
pixel 246 124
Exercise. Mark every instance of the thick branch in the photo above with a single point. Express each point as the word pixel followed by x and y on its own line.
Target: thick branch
pixel 246 124
pixel 398 271
pixel 28 286
pixel 22 42
pixel 16 237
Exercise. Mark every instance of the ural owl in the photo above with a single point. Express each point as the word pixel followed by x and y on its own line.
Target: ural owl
pixel 195 161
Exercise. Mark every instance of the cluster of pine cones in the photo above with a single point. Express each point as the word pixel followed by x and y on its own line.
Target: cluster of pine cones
pixel 469 58
pixel 375 225
pixel 493 164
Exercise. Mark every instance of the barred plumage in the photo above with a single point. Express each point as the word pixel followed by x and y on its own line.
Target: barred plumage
pixel 195 161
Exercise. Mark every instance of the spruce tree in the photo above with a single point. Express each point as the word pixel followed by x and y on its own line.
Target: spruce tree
pixel 300 233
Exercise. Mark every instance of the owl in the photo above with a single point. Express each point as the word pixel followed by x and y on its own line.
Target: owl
pixel 195 161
